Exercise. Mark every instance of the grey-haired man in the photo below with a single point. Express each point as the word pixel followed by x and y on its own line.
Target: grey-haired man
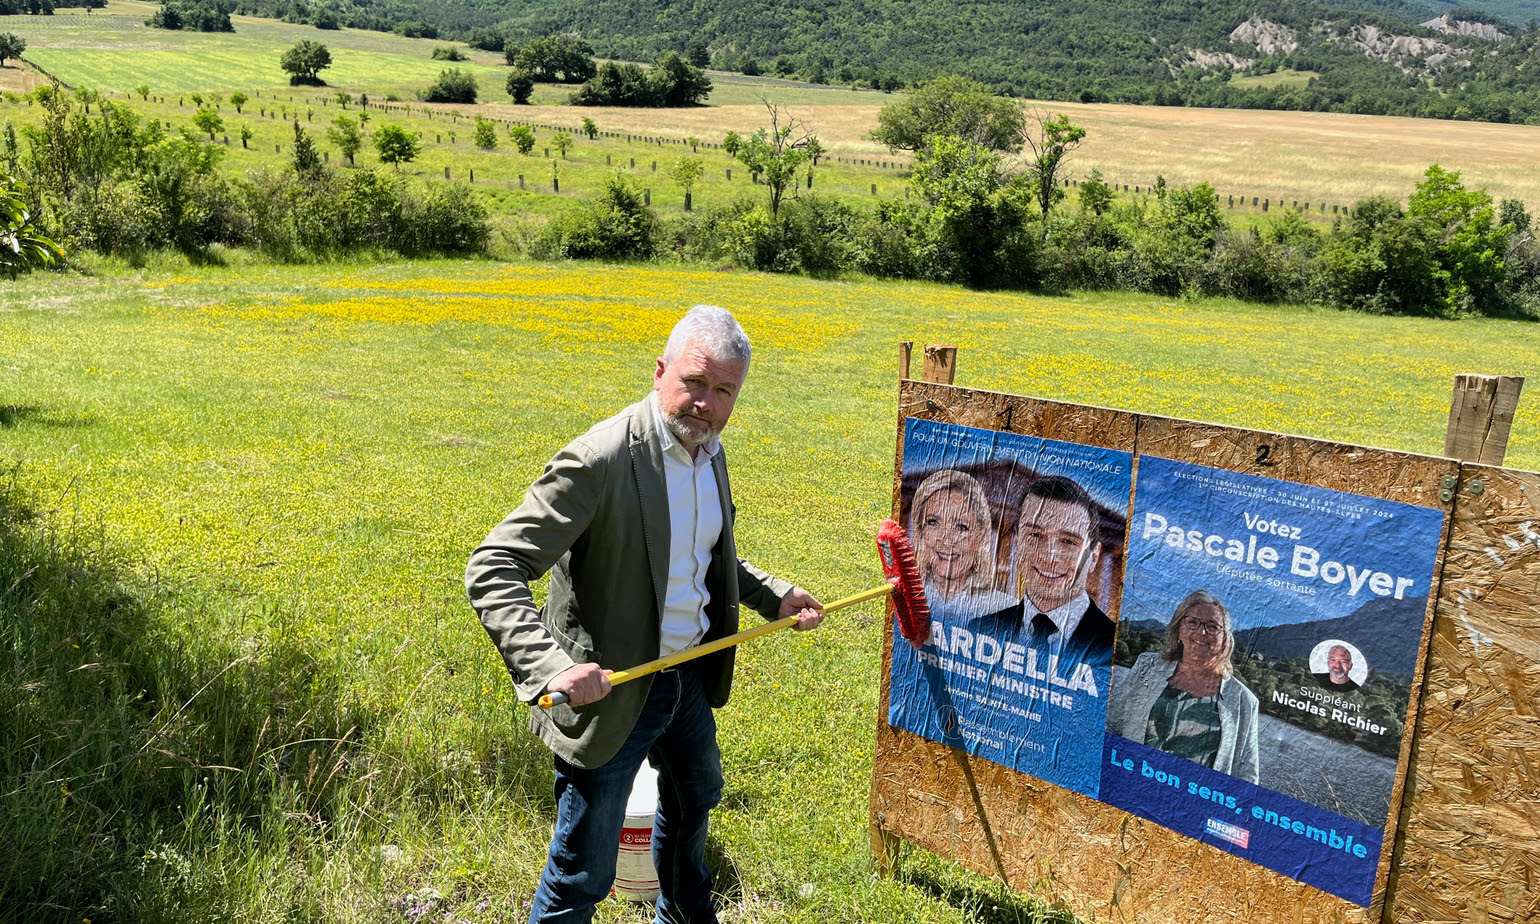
pixel 634 520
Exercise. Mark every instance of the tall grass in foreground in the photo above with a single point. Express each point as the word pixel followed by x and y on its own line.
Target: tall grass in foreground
pixel 158 770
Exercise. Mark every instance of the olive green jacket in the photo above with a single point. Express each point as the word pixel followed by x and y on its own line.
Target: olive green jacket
pixel 597 519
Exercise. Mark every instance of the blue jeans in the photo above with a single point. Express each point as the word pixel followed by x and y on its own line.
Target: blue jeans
pixel 677 730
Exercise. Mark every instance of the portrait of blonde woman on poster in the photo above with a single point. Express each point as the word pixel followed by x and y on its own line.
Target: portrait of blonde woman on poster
pixel 954 546
pixel 1185 699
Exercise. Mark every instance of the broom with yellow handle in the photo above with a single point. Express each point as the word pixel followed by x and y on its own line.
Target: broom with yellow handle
pixel 904 584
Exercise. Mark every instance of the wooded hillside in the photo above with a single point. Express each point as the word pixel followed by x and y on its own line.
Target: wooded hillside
pixel 1374 56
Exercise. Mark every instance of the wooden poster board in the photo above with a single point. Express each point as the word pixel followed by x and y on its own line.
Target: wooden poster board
pixel 1469 846
pixel 1098 861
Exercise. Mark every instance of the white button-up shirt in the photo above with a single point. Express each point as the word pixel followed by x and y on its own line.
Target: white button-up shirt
pixel 1066 618
pixel 695 524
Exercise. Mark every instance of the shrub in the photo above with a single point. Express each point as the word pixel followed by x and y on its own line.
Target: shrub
pixel 448 53
pixel 615 225
pixel 452 86
pixel 1381 262
pixel 441 218
pixel 810 235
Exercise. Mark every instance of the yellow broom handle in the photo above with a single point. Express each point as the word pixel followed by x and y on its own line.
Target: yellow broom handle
pixel 548 700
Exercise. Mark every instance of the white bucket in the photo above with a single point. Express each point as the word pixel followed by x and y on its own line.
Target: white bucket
pixel 636 879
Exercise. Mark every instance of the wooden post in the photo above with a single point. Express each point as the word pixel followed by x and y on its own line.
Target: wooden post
pixel 1481 416
pixel 940 364
pixel 884 847
pixel 905 351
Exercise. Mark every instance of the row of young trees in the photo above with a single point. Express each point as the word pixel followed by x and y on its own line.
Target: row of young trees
pixel 115 183
pixel 985 208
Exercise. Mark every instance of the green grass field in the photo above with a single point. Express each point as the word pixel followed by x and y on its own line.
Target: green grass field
pixel 1286 77
pixel 112 49
pixel 273 477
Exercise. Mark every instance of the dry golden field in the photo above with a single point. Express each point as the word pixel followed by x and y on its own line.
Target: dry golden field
pixel 1305 156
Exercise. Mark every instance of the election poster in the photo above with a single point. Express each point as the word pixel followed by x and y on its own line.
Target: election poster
pixel 1019 541
pixel 1264 664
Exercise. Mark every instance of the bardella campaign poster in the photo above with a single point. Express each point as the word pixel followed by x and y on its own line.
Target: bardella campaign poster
pixel 1020 543
pixel 1265 656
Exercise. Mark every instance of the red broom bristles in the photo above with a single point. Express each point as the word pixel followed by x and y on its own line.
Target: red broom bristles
pixel 908 589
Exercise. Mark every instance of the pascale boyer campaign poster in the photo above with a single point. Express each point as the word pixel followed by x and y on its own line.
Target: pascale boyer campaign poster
pixel 1019 541
pixel 1269 637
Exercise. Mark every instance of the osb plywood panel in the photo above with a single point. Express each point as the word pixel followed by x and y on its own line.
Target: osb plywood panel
pixel 1470 848
pixel 1097 861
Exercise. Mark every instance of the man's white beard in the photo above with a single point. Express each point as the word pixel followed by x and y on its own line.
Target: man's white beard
pixel 686 434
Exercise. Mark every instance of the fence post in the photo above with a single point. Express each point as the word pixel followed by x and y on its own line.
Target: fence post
pixel 1481 416
pixel 940 364
pixel 521 181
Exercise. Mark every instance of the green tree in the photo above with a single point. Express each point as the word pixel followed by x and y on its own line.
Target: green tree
pixel 521 85
pixel 343 98
pixel 486 134
pixel 208 120
pixel 22 248
pixel 697 52
pixel 1050 145
pixel 775 153
pixel 306 160
pixel 589 128
pixel 246 134
pixel 1095 194
pixel 305 61
pixel 562 142
pixel 11 46
pixel 348 135
pixel 238 99
pixel 396 145
pixel 955 106
pixel 556 59
pixel 523 138
pixel 1470 242
pixel 144 93
pixel 452 86
pixel 975 208
pixel 680 82
pixel 685 173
